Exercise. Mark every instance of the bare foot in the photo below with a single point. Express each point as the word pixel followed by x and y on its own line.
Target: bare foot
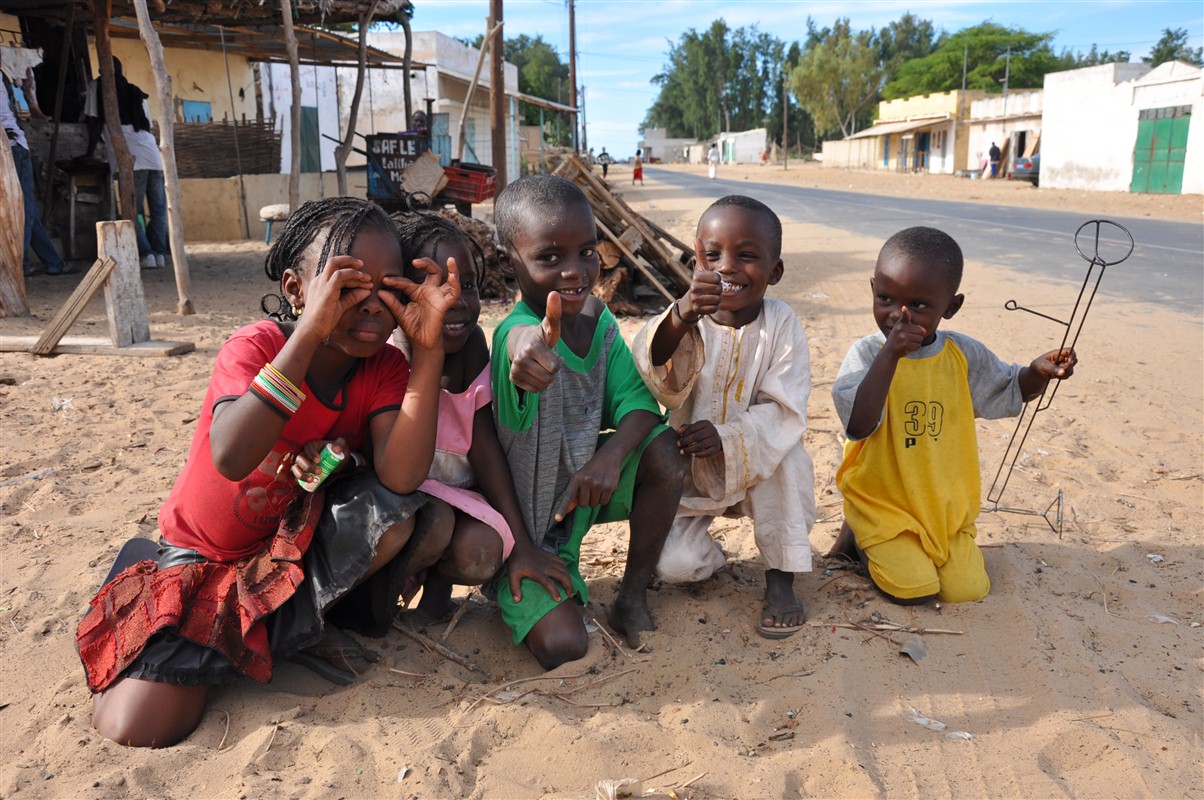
pixel 782 613
pixel 630 617
pixel 436 600
pixel 846 545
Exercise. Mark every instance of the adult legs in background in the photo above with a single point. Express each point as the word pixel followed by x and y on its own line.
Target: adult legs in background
pixel 35 239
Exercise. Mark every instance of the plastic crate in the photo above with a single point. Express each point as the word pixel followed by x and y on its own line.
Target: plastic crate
pixel 469 183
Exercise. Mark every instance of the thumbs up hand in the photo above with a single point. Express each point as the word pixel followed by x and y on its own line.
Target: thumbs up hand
pixel 532 349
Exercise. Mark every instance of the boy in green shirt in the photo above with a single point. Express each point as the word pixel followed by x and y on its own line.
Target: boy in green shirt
pixel 583 436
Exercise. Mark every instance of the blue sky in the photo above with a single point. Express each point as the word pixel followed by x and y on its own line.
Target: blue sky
pixel 621 44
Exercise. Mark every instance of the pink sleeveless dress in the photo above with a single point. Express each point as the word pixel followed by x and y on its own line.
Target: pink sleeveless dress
pixel 451 478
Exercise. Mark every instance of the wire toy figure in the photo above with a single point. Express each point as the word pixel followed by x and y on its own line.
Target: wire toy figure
pixel 1073 327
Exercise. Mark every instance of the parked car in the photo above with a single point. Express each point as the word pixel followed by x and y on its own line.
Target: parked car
pixel 1027 169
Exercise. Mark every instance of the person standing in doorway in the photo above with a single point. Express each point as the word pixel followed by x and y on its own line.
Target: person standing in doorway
pixel 994 156
pixel 149 192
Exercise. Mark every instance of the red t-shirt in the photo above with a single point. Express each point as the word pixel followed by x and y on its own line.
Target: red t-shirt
pixel 227 520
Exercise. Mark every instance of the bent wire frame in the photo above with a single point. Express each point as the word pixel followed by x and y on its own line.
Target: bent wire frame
pixel 1097 264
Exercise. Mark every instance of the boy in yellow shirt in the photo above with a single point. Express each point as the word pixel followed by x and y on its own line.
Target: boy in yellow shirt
pixel 907 397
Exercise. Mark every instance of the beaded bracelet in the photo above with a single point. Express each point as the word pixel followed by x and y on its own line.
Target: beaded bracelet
pixel 278 391
pixel 684 321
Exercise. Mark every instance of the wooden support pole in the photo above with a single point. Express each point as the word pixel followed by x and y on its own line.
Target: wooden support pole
pixel 13 302
pixel 75 305
pixel 165 110
pixel 497 94
pixel 344 147
pixel 294 70
pixel 102 10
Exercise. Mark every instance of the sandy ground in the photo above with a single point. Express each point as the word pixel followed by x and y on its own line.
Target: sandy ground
pixel 1080 676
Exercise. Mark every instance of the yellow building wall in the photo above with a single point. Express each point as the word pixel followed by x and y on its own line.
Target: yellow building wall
pixel 195 75
pixel 924 105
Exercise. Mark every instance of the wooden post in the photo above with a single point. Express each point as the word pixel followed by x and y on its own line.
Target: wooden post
pixel 344 149
pixel 165 109
pixel 12 238
pixel 497 94
pixel 102 10
pixel 486 43
pixel 573 73
pixel 294 71
pixel 124 302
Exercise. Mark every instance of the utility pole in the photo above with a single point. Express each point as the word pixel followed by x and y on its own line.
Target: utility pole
pixel 497 93
pixel 785 121
pixel 584 130
pixel 573 71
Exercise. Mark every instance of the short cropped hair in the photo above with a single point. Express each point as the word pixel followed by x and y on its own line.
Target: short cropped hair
pixel 756 206
pixel 527 196
pixel 931 246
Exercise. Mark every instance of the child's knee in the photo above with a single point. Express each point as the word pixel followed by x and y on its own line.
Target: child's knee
pixel 476 552
pixel 434 524
pixel 964 576
pixel 902 570
pixel 662 463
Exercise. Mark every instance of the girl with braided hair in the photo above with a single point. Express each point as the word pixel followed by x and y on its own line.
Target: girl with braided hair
pixel 470 473
pixel 250 565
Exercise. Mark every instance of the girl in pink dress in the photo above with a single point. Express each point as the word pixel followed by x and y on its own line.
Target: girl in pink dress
pixel 469 472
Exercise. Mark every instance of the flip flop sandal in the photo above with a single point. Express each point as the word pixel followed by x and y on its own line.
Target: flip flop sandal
pixel 332 657
pixel 779 631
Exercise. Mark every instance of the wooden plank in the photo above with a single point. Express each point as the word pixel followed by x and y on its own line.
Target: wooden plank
pixel 636 221
pixel 124 301
pixel 631 239
pixel 97 345
pixel 673 240
pixel 652 279
pixel 74 306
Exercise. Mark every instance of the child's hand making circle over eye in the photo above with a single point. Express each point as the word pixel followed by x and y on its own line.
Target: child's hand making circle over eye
pixel 705 293
pixel 339 287
pixel 421 319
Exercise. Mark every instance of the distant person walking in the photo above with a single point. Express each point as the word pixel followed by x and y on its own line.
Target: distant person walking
pixel 994 156
pixel 605 160
pixel 637 168
pixel 713 161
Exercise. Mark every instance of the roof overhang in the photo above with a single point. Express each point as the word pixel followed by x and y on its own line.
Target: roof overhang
pixel 214 12
pixel 264 43
pixel 887 128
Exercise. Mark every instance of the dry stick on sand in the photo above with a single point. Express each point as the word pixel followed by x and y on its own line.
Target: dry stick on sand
pixel 461 610
pixel 435 647
pixel 559 695
pixel 1104 594
pixel 222 743
pixel 881 626
pixel 612 640
pixel 409 674
pixel 667 771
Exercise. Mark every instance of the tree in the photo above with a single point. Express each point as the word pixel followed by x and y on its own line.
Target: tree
pixel 1173 47
pixel 541 73
pixel 1094 57
pixel 991 52
pixel 838 77
pixel 905 39
pixel 720 79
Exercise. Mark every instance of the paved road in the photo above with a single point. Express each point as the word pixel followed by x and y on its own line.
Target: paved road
pixel 1167 265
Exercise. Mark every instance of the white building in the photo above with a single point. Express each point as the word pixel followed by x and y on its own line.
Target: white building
pixel 656 145
pixel 1011 121
pixel 742 147
pixel 1124 127
pixel 442 72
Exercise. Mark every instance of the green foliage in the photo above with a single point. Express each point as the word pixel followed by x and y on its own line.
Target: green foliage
pixel 541 73
pixel 838 77
pixel 1173 47
pixel 985 48
pixel 722 79
pixel 1094 57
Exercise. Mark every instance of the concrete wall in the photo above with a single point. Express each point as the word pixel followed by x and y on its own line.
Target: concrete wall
pixel 997 119
pixel 955 103
pixel 318 90
pixel 852 153
pixel 1089 126
pixel 212 211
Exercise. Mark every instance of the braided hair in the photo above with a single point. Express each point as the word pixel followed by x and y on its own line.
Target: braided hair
pixel 419 229
pixel 342 218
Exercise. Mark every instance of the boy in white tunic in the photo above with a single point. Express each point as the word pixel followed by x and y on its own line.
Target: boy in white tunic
pixel 734 371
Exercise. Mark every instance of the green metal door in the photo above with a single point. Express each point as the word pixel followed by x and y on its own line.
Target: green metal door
pixel 1160 150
